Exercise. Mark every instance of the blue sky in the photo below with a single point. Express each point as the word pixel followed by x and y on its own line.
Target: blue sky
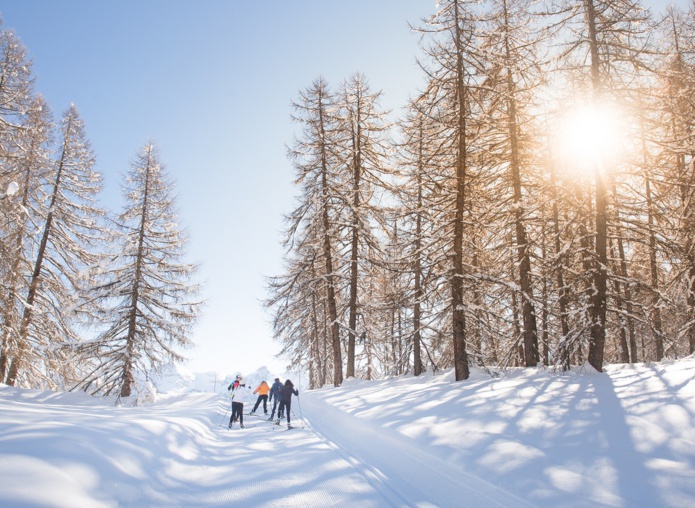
pixel 211 82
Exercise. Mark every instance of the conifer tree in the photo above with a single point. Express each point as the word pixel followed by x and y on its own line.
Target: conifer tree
pixel 16 92
pixel 312 232
pixel 363 127
pixel 512 78
pixel 66 247
pixel 675 161
pixel 454 73
pixel 28 167
pixel 607 44
pixel 421 253
pixel 148 289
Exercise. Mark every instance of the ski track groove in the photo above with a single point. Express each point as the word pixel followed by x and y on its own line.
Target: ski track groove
pixel 321 494
pixel 379 454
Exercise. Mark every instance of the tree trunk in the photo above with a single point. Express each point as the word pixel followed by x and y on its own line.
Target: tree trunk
pixel 354 248
pixel 563 352
pixel 598 309
pixel 657 327
pixel 545 315
pixel 16 362
pixel 457 302
pixel 9 318
pixel 128 378
pixel 316 338
pixel 528 311
pixel 330 277
pixel 417 354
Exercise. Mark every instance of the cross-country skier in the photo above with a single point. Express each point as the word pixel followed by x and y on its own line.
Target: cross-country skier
pixel 286 400
pixel 231 389
pixel 235 383
pixel 262 391
pixel 275 396
pixel 240 394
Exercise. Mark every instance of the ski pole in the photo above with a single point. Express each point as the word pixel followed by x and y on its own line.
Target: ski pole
pixel 225 414
pixel 299 406
pixel 224 417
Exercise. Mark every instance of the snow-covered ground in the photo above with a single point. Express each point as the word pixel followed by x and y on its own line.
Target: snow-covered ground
pixel 525 438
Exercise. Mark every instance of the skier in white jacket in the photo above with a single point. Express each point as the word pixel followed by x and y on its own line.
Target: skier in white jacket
pixel 240 394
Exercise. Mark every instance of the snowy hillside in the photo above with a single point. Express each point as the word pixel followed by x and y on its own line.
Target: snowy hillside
pixel 179 379
pixel 526 438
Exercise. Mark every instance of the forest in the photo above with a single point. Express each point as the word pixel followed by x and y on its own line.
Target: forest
pixel 90 299
pixel 531 205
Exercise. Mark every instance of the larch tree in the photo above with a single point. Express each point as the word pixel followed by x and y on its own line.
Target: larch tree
pixel 513 78
pixel 16 135
pixel 421 252
pixel 70 233
pixel 607 42
pixel 148 290
pixel 28 166
pixel 454 71
pixel 412 163
pixel 364 152
pixel 677 153
pixel 16 87
pixel 312 236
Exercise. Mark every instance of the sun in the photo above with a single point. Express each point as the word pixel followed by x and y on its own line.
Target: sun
pixel 588 137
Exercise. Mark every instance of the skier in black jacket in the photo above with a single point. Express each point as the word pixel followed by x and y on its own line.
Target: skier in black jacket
pixel 275 396
pixel 286 400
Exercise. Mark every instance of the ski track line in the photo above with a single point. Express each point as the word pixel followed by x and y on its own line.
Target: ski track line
pixel 380 454
pixel 321 494
pixel 372 475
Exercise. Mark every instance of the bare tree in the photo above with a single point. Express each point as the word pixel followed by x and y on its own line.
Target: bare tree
pixel 66 247
pixel 148 290
pixel 28 166
pixel 363 155
pixel 312 235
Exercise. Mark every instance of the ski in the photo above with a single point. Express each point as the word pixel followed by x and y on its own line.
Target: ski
pixel 290 427
pixel 254 415
pixel 242 428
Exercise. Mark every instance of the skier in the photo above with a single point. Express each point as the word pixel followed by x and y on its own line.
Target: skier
pixel 262 391
pixel 286 401
pixel 240 394
pixel 230 389
pixel 235 383
pixel 275 395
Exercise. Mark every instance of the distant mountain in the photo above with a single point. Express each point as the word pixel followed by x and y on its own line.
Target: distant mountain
pixel 179 379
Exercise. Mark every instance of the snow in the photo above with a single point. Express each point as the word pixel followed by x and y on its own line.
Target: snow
pixel 528 437
pixel 12 189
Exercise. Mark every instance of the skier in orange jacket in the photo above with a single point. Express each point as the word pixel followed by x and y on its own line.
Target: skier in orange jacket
pixel 262 391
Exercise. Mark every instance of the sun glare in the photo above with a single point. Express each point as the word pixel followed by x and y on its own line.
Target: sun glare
pixel 588 138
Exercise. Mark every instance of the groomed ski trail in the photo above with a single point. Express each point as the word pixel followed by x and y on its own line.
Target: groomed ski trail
pixel 175 453
pixel 404 474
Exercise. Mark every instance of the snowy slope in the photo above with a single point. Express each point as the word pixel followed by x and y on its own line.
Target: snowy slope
pixel 525 438
pixel 625 438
